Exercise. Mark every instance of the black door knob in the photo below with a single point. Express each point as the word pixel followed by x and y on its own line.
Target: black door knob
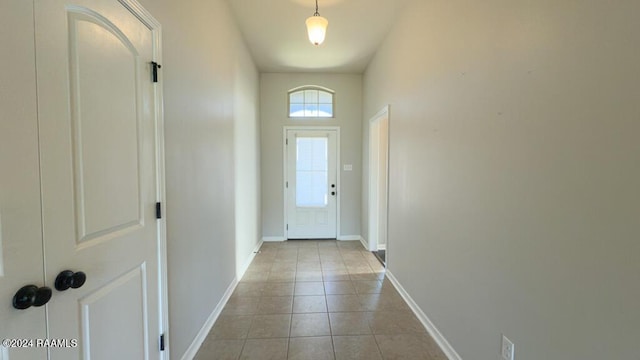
pixel 31 295
pixel 69 279
pixel 333 193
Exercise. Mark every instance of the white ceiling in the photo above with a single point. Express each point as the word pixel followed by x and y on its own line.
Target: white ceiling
pixel 276 35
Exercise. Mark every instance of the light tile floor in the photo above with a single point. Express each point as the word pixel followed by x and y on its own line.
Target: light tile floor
pixel 324 299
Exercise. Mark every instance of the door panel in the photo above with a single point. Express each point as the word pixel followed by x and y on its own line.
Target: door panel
pixel 20 227
pixel 106 172
pixel 97 131
pixel 312 185
pixel 107 309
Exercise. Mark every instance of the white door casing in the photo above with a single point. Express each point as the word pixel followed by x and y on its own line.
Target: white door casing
pixel 378 180
pixel 311 183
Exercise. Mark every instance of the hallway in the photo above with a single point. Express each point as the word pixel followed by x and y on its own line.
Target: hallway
pixel 159 129
pixel 317 300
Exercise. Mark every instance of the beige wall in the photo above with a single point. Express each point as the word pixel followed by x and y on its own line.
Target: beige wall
pixel 247 161
pixel 514 199
pixel 210 88
pixel 274 116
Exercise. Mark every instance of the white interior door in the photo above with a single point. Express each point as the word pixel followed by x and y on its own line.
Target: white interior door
pixel 21 260
pixel 312 188
pixel 99 182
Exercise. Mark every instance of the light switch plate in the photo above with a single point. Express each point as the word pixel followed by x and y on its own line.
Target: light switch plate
pixel 508 350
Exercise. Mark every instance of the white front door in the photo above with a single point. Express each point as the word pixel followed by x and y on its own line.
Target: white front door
pixel 312 188
pixel 99 177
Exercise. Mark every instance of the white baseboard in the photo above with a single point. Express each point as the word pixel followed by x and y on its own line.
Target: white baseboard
pixel 273 238
pixel 382 246
pixel 192 350
pixel 247 263
pixel 349 237
pixel 340 238
pixel 448 350
pixel 206 328
pixel 364 242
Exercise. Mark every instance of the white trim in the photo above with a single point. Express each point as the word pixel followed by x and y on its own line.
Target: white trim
pixel 163 310
pixel 285 174
pixel 373 211
pixel 145 16
pixel 382 247
pixel 273 238
pixel 349 237
pixel 285 156
pixel 247 262
pixel 338 181
pixel 364 242
pixel 192 350
pixel 448 350
pixel 381 113
pixel 311 87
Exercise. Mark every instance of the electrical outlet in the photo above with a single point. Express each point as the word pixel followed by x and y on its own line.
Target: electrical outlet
pixel 508 350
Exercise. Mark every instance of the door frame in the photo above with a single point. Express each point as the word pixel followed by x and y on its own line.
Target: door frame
pixel 156 29
pixel 376 211
pixel 285 169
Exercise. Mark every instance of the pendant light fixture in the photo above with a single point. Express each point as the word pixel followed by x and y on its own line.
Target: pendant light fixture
pixel 316 27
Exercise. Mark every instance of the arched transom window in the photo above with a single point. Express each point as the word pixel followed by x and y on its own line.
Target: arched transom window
pixel 311 102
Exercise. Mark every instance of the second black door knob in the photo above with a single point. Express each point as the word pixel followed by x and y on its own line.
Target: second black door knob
pixel 69 279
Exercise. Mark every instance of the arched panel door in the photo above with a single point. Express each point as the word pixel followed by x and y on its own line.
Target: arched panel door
pixel 99 177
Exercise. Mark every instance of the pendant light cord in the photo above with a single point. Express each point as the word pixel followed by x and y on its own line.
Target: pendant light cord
pixel 316 13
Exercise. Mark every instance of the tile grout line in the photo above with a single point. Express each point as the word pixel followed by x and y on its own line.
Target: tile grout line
pixel 326 302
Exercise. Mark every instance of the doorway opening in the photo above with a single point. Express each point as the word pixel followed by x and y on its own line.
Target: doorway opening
pixel 379 184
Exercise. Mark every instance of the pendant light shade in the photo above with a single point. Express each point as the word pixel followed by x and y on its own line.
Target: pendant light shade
pixel 316 27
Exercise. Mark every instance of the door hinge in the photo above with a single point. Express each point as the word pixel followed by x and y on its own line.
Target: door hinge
pixel 287 184
pixel 158 210
pixel 154 71
pixel 287 226
pixel 286 141
pixel 162 342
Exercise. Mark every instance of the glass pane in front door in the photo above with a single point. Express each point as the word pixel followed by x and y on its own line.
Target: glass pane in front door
pixel 312 180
